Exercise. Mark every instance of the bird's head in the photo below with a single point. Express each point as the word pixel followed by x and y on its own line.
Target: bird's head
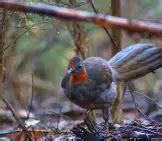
pixel 77 71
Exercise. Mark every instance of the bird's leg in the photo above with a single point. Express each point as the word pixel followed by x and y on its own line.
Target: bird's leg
pixel 105 114
pixel 91 114
pixel 116 107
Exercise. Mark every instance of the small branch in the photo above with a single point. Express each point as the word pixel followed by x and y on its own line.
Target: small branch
pixel 18 120
pixel 149 98
pixel 138 108
pixel 31 99
pixel 71 14
pixel 106 30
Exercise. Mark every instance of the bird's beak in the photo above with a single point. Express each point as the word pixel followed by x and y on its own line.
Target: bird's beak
pixel 69 71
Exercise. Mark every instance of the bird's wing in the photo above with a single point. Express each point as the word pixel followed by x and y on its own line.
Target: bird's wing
pixel 98 70
pixel 65 80
pixel 135 61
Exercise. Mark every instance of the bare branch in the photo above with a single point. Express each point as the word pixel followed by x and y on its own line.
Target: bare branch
pixel 106 30
pixel 137 106
pixel 17 118
pixel 77 15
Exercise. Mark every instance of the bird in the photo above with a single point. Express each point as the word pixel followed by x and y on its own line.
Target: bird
pixel 92 83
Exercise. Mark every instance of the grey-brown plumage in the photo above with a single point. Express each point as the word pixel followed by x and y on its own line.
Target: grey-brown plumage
pixel 136 61
pixel 97 91
pixel 90 83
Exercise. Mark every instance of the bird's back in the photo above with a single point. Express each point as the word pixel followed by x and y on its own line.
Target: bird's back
pixel 98 70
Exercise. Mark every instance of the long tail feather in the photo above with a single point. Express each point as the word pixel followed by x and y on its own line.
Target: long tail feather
pixel 136 61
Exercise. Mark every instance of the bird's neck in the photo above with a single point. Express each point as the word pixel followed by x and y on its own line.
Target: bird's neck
pixel 78 78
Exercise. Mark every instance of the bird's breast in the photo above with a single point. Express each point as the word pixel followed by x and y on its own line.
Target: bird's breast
pixel 78 78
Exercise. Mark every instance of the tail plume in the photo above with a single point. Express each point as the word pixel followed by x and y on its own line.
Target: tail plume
pixel 136 60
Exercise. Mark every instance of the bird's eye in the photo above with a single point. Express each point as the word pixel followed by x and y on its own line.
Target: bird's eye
pixel 79 66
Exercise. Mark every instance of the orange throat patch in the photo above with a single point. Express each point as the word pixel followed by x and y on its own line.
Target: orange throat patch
pixel 78 78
